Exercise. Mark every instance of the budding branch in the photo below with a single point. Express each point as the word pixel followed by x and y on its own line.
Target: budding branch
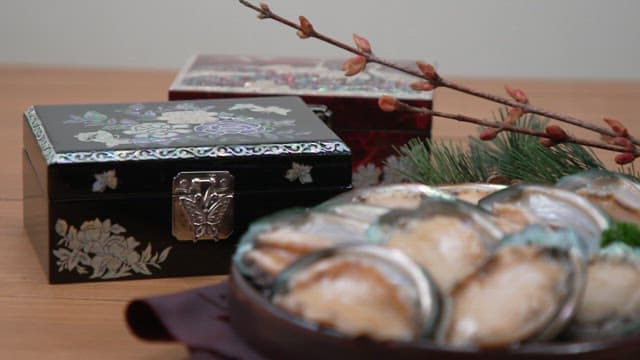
pixel 364 55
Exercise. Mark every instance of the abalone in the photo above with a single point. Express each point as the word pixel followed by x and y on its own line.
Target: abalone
pixel 615 193
pixel 611 302
pixel 274 242
pixel 555 208
pixel 449 238
pixel 524 292
pixel 471 192
pixel 360 291
pixel 401 196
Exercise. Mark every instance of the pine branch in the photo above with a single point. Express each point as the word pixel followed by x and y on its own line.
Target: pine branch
pixel 630 171
pixel 440 162
pixel 510 156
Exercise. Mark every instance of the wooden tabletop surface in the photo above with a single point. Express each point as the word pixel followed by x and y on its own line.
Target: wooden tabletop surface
pixel 78 321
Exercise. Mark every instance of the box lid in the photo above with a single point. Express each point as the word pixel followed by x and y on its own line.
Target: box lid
pixel 119 149
pixel 292 76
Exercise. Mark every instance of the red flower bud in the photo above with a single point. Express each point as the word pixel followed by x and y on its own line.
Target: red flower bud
pixel 624 158
pixel 617 127
pixel 427 70
pixel 354 65
pixel 546 142
pixel 556 133
pixel 306 29
pixel 362 44
pixel 517 94
pixel 388 103
pixel 488 134
pixel 624 142
pixel 264 11
pixel 422 86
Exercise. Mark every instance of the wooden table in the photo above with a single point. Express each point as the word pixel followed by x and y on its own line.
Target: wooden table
pixel 38 320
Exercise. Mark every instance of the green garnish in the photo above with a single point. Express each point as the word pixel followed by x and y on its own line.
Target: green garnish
pixel 622 232
pixel 510 156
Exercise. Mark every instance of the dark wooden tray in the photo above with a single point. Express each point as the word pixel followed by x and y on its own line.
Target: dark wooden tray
pixel 272 332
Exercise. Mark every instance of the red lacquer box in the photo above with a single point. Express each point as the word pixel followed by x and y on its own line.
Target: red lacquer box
pixel 370 133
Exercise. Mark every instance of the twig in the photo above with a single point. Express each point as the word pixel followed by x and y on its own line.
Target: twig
pixel 401 106
pixel 306 30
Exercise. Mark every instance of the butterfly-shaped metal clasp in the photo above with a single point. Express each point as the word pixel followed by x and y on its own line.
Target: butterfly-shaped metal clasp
pixel 203 205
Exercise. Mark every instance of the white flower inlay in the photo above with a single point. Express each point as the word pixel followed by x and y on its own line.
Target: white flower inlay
pixel 188 117
pixel 105 180
pixel 299 172
pixel 366 175
pixel 100 250
pixel 264 86
pixel 157 130
pixel 261 109
pixel 101 136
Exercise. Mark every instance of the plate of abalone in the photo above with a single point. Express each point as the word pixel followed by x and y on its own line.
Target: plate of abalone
pixel 414 272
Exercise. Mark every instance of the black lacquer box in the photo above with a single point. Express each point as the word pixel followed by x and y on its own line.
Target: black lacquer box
pixel 371 133
pixel 128 191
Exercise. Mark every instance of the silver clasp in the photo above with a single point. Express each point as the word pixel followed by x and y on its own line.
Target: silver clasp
pixel 202 205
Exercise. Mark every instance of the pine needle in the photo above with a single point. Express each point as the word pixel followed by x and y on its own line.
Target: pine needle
pixel 514 156
pixel 631 171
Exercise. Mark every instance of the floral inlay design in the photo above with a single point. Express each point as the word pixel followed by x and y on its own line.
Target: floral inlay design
pixel 188 117
pixel 261 109
pixel 101 136
pixel 185 123
pixel 222 128
pixel 100 250
pixel 392 171
pixel 218 73
pixel 157 130
pixel 366 175
pixel 107 179
pixel 187 151
pixel 300 173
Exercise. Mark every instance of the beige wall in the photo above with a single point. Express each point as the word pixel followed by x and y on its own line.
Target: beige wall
pixel 545 38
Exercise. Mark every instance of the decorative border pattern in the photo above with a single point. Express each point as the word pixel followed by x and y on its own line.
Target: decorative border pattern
pixel 354 94
pixel 187 71
pixel 51 157
pixel 48 151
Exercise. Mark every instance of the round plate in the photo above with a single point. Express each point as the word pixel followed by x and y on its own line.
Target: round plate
pixel 275 334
